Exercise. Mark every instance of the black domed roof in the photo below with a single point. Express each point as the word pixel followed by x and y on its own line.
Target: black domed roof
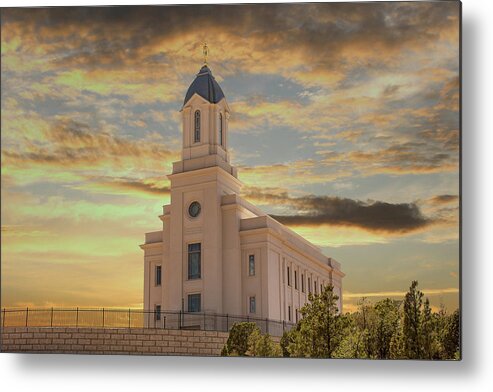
pixel 206 86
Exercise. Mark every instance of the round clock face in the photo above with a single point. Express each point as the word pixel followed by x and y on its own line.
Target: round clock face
pixel 194 209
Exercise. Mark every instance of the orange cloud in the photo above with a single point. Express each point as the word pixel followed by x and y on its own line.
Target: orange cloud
pixel 69 145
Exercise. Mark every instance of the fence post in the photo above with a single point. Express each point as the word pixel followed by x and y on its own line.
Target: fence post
pixel 103 317
pixel 129 318
pixel 51 319
pixel 77 317
pixel 27 313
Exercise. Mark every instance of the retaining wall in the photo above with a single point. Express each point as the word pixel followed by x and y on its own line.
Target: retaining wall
pixel 112 341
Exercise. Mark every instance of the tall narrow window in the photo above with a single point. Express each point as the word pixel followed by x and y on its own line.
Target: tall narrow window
pixel 221 129
pixel 302 283
pixel 296 311
pixel 157 312
pixel 296 279
pixel 289 313
pixel 194 302
pixel 251 265
pixel 196 135
pixel 309 285
pixel 158 275
pixel 315 287
pixel 289 277
pixel 253 305
pixel 194 253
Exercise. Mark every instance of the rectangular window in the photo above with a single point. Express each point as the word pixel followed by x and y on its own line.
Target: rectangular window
pixel 220 129
pixel 158 275
pixel 296 279
pixel 315 287
pixel 289 277
pixel 321 288
pixel 194 252
pixel 289 313
pixel 302 283
pixel 253 305
pixel 296 315
pixel 157 312
pixel 194 302
pixel 196 137
pixel 309 285
pixel 251 265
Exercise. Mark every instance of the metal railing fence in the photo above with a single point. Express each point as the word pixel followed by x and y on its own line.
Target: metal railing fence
pixel 134 318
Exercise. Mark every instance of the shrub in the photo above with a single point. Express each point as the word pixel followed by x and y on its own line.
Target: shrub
pixel 237 343
pixel 262 345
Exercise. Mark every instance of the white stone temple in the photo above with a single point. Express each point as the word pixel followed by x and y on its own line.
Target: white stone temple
pixel 217 253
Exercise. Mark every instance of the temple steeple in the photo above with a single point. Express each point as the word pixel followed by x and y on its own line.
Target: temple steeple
pixel 205 118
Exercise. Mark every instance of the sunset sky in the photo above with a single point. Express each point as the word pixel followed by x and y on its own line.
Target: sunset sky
pixel 345 127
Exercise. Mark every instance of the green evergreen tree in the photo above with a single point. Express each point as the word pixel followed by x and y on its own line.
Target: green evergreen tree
pixel 397 343
pixel 451 340
pixel 387 312
pixel 352 345
pixel 321 328
pixel 412 322
pixel 428 340
pixel 441 322
pixel 365 321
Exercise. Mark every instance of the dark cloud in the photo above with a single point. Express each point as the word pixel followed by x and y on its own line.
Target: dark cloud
pixel 322 38
pixel 372 215
pixel 398 158
pixel 114 35
pixel 70 143
pixel 136 186
pixel 444 199
pixel 313 210
pixel 390 90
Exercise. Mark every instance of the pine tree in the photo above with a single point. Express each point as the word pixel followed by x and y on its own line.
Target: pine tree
pixel 351 345
pixel 452 336
pixel 427 334
pixel 366 323
pixel 321 329
pixel 412 322
pixel 387 312
pixel 397 343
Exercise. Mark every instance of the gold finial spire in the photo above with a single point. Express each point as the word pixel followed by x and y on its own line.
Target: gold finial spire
pixel 205 51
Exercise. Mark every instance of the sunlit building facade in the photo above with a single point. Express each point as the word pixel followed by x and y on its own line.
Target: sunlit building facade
pixel 217 253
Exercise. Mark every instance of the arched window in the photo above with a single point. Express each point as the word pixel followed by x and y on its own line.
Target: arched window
pixel 221 129
pixel 196 135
